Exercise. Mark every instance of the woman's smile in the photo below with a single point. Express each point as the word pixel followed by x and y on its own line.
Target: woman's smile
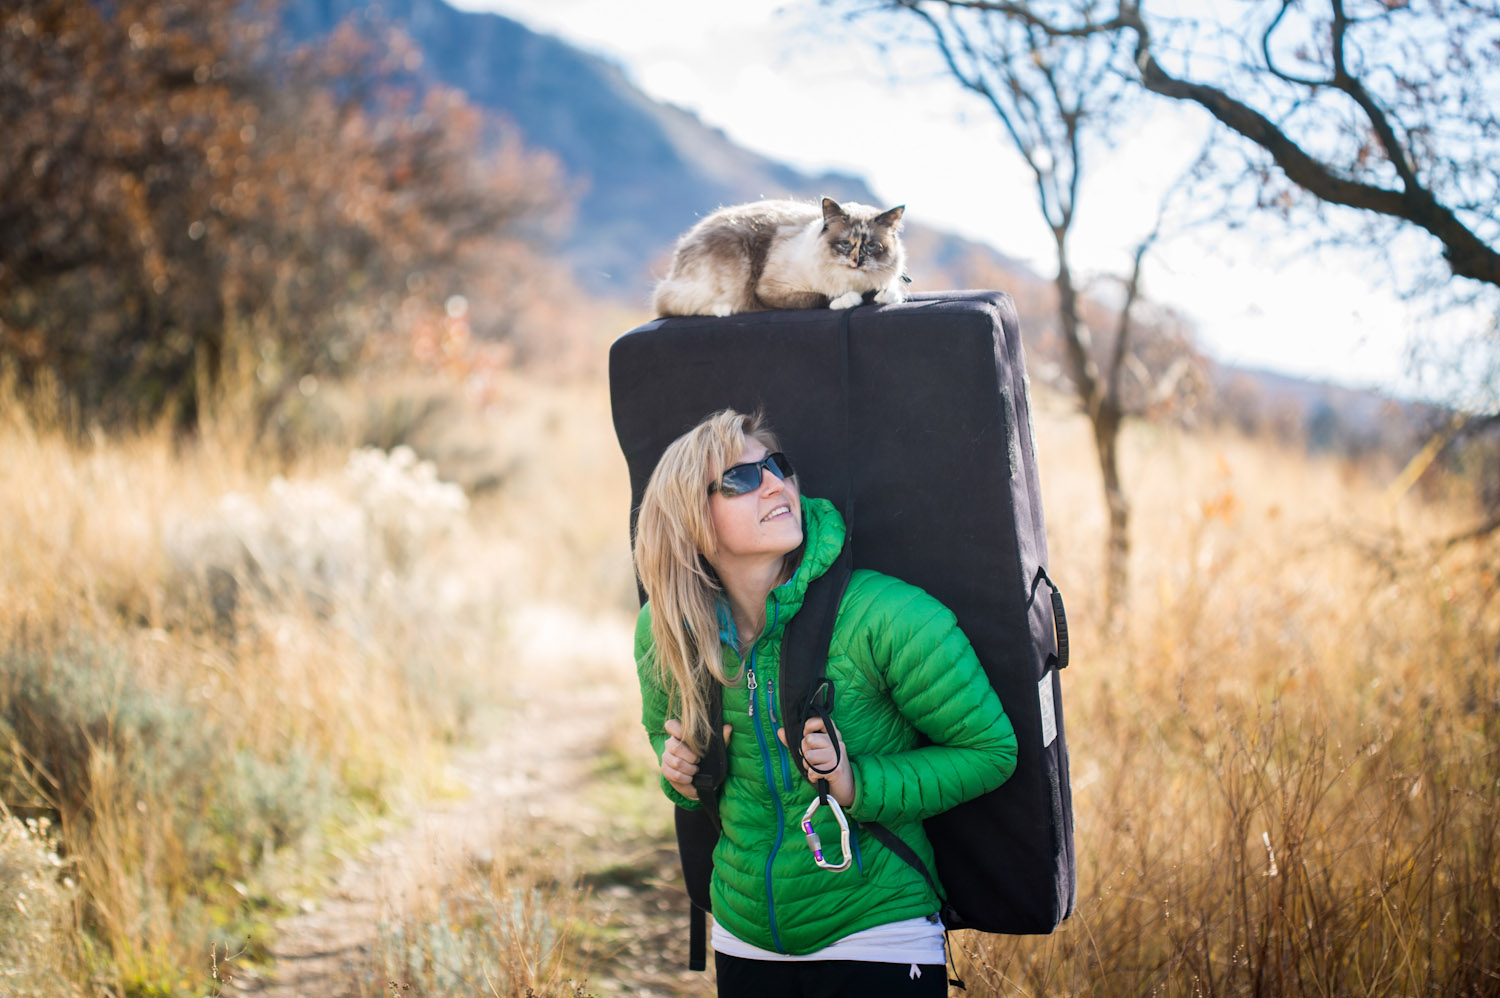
pixel 779 511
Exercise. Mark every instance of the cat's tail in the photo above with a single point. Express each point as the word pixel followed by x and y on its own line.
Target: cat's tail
pixel 665 299
pixel 678 296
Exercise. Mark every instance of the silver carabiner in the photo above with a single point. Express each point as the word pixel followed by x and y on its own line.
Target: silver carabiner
pixel 816 844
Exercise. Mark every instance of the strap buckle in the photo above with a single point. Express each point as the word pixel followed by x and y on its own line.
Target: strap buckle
pixel 816 844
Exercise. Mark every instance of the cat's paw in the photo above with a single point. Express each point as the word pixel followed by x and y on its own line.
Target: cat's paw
pixel 722 309
pixel 890 295
pixel 847 300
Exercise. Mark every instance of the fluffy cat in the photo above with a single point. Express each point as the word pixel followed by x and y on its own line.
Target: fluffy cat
pixel 785 254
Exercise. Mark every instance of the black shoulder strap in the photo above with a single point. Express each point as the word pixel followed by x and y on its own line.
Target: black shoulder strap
pixel 698 829
pixel 714 766
pixel 804 647
pixel 805 640
pixel 804 662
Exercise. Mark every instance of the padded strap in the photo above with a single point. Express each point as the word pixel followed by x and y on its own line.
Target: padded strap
pixel 805 690
pixel 714 766
pixel 697 939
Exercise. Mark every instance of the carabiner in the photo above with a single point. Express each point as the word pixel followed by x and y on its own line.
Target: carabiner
pixel 816 844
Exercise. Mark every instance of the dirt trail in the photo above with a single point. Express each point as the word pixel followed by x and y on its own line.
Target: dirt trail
pixel 534 776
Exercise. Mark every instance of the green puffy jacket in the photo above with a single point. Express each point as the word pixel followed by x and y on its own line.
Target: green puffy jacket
pixel 902 669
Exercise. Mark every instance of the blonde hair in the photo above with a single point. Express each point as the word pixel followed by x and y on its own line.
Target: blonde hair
pixel 674 544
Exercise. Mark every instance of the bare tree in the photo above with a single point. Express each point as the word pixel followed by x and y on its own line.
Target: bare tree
pixel 1385 106
pixel 1058 103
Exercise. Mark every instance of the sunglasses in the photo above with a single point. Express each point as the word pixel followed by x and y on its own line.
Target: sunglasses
pixel 744 478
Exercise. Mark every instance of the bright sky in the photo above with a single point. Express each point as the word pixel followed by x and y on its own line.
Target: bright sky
pixel 808 97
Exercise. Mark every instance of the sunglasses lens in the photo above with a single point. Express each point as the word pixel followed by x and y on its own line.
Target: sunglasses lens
pixel 743 478
pixel 740 479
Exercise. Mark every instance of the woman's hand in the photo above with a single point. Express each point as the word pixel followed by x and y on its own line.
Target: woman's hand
pixel 678 762
pixel 818 752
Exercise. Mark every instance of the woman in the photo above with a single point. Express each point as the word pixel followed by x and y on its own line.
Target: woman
pixel 725 547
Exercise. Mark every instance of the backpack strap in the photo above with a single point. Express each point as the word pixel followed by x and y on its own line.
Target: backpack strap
pixel 804 643
pixel 698 829
pixel 804 654
pixel 697 834
pixel 713 767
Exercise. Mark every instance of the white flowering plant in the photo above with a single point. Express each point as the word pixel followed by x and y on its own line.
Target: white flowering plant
pixel 330 542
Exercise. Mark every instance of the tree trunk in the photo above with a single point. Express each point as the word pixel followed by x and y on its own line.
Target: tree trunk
pixel 1117 542
pixel 1105 417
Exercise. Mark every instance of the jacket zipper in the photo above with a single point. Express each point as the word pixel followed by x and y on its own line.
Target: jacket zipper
pixel 770 775
pixel 765 758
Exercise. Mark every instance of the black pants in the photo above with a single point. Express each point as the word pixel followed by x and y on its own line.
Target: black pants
pixel 742 978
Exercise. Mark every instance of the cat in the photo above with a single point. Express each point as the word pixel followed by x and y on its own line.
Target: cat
pixel 785 254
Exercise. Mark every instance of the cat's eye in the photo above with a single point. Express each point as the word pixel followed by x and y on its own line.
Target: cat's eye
pixel 876 249
pixel 843 245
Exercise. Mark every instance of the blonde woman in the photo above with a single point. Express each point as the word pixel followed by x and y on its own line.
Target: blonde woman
pixel 725 548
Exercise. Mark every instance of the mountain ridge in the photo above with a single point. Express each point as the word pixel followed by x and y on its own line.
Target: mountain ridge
pixel 643 171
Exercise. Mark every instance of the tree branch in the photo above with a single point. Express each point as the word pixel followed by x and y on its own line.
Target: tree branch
pixel 1467 254
pixel 1265 50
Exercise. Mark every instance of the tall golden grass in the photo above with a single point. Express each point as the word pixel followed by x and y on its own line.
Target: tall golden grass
pixel 1286 774
pixel 204 692
pixel 1285 771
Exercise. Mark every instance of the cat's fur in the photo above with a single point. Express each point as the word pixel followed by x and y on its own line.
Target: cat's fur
pixel 785 254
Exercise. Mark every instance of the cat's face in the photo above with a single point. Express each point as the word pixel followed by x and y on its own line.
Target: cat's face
pixel 859 241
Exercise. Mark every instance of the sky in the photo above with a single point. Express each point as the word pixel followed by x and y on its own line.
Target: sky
pixel 818 98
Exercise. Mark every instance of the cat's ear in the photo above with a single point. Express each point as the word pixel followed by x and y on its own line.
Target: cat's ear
pixel 832 211
pixel 891 218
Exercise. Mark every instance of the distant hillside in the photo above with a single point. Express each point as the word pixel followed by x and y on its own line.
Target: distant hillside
pixel 642 171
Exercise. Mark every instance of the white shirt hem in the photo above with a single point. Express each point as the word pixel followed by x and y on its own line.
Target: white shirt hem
pixel 911 940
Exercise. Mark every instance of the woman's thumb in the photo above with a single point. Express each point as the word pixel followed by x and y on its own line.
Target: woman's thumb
pixel 727 729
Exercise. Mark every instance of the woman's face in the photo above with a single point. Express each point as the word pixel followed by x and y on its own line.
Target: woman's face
pixel 765 522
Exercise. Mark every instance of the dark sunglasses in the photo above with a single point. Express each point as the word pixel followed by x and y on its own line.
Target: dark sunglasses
pixel 744 478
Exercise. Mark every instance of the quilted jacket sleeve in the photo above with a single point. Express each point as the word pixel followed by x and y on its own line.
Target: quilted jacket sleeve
pixel 654 701
pixel 937 684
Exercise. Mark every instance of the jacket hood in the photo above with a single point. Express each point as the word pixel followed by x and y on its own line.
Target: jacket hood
pixel 823 533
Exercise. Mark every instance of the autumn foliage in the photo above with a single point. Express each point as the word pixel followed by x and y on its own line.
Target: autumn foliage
pixel 183 197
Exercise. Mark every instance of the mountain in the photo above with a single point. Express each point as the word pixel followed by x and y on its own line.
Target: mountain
pixel 641 171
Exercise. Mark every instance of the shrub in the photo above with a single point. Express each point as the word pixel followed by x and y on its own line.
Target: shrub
pixel 166 814
pixel 330 543
pixel 491 938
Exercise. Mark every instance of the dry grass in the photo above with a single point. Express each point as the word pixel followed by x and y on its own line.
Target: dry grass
pixel 216 665
pixel 494 934
pixel 1285 773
